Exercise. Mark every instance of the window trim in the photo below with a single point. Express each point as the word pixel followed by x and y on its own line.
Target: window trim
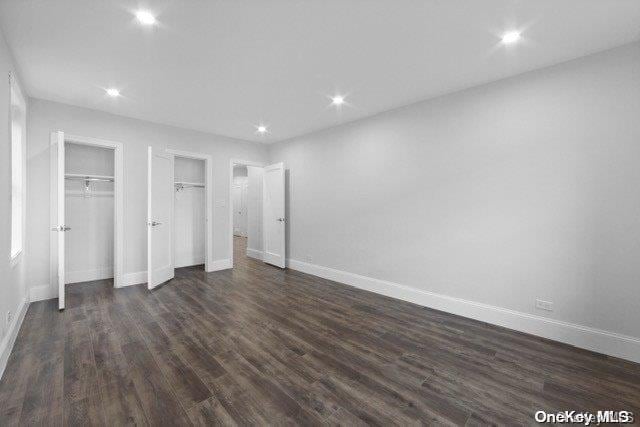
pixel 16 257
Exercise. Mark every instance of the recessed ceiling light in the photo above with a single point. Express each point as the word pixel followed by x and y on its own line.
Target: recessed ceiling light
pixel 337 100
pixel 113 92
pixel 145 17
pixel 262 129
pixel 510 37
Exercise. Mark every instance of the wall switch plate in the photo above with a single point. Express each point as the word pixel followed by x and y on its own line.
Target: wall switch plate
pixel 544 305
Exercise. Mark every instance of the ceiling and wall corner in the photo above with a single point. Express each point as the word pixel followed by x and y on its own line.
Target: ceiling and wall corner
pixel 230 67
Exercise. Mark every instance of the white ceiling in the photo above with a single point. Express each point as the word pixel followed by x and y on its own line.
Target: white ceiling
pixel 223 66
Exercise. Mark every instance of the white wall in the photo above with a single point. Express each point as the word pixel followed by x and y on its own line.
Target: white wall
pixel 189 209
pixel 89 214
pixel 135 135
pixel 521 189
pixel 13 291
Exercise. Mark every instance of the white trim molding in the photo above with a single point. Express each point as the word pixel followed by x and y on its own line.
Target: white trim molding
pixel 41 293
pixel 12 333
pixel 606 342
pixel 220 264
pixel 88 275
pixel 254 253
pixel 135 278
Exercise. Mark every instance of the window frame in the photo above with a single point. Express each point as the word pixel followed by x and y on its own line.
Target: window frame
pixel 15 91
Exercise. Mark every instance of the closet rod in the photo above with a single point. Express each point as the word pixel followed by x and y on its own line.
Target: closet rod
pixel 180 185
pixel 88 178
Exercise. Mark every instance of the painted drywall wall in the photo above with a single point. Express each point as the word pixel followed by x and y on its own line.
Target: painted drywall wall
pixel 13 290
pixel 135 135
pixel 189 213
pixel 89 214
pixel 502 194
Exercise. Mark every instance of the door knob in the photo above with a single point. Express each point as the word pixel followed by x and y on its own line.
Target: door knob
pixel 154 223
pixel 280 219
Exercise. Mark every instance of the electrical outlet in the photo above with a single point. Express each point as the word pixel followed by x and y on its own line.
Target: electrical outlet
pixel 308 258
pixel 544 305
pixel 9 315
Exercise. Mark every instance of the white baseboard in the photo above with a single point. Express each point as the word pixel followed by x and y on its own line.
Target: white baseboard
pixel 134 278
pixel 220 264
pixel 189 262
pixel 610 343
pixel 41 293
pixel 254 253
pixel 12 333
pixel 88 275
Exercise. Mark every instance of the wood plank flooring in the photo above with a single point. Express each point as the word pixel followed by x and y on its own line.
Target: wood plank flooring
pixel 258 345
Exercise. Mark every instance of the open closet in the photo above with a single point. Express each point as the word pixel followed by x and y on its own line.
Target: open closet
pixel 189 211
pixel 89 206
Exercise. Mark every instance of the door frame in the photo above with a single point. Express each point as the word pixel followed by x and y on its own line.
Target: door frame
pixel 118 205
pixel 244 191
pixel 232 163
pixel 208 203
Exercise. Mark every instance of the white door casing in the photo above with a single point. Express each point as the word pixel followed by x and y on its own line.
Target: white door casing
pixel 273 209
pixel 159 218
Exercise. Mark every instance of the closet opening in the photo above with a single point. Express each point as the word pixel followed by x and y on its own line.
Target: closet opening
pixel 189 212
pixel 89 178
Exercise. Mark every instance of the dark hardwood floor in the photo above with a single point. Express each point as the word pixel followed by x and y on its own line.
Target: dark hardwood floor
pixel 258 345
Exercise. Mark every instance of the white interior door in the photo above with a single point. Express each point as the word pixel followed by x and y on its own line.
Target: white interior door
pixel 240 210
pixel 58 227
pixel 237 208
pixel 159 221
pixel 273 215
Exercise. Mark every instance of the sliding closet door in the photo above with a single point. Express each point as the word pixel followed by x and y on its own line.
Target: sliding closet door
pixel 159 226
pixel 58 226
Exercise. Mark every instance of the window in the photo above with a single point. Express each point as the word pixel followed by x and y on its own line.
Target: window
pixel 18 132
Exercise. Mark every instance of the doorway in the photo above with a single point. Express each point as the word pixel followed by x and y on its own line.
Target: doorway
pixel 86 211
pixel 256 212
pixel 245 210
pixel 179 209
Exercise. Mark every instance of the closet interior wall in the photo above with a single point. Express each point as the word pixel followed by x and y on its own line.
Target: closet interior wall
pixel 189 212
pixel 89 209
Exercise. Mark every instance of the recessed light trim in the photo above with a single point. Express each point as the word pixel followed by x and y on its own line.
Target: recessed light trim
pixel 145 17
pixel 510 37
pixel 337 100
pixel 113 92
pixel 262 129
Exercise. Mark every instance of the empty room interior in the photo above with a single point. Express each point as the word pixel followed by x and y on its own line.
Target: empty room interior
pixel 338 212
